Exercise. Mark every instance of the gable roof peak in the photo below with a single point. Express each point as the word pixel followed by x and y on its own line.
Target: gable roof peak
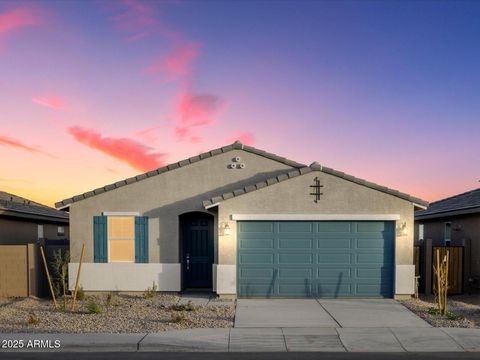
pixel 315 166
pixel 237 144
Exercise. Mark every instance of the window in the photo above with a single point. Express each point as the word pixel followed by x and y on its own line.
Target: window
pixel 420 231
pixel 448 233
pixel 60 230
pixel 121 238
pixel 40 231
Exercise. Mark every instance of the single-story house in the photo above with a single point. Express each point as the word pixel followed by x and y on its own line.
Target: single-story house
pixel 23 221
pixel 454 221
pixel 24 224
pixel 243 222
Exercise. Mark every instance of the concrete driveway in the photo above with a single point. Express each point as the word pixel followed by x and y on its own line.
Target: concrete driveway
pixel 332 313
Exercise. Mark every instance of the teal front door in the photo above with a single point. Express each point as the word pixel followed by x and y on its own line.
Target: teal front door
pixel 315 259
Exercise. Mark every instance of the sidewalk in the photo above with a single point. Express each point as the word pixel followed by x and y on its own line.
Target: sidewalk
pixel 263 339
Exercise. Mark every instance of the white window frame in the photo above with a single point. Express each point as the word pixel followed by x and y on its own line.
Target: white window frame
pixel 447 240
pixel 421 231
pixel 122 214
pixel 62 232
pixel 40 231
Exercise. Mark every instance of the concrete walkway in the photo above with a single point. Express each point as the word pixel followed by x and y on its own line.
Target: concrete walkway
pixel 402 339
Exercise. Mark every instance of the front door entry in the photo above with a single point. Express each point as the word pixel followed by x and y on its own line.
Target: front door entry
pixel 197 250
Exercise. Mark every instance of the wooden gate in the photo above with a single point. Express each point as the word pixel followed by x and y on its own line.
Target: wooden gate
pixel 13 271
pixel 455 267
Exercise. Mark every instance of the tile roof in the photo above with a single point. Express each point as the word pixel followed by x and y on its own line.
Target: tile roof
pixel 19 205
pixel 237 145
pixel 305 170
pixel 468 201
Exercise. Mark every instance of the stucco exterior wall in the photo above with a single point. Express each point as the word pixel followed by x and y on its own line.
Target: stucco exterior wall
pixel 166 196
pixel 339 197
pixel 21 232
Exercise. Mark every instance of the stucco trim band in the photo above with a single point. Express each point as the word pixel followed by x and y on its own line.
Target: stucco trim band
pixel 318 217
pixel 125 276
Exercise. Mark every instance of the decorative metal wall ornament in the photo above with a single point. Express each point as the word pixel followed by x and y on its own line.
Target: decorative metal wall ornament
pixel 316 189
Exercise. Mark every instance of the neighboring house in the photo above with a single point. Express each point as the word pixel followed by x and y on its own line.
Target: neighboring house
pixel 243 222
pixel 23 221
pixel 454 221
pixel 23 225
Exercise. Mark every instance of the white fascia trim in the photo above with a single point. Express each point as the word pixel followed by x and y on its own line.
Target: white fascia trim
pixel 420 206
pixel 319 217
pixel 211 206
pixel 120 213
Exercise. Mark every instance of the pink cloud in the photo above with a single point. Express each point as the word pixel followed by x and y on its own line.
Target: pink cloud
pixel 137 19
pixel 178 63
pixel 8 141
pixel 198 109
pixel 246 138
pixel 195 110
pixel 50 101
pixel 18 18
pixel 127 150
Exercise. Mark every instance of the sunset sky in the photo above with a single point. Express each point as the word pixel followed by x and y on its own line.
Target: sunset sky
pixel 92 92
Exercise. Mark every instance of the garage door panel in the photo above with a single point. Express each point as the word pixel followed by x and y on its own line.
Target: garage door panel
pixel 295 227
pixel 373 273
pixel 295 243
pixel 257 272
pixel 295 258
pixel 256 243
pixel 334 226
pixel 330 243
pixel 297 273
pixel 295 289
pixel 369 258
pixel 316 259
pixel 334 258
pixel 267 258
pixel 333 289
pixel 333 273
pixel 256 227
pixel 370 243
pixel 372 226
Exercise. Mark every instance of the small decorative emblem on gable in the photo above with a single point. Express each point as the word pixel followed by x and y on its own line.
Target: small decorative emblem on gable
pixel 316 190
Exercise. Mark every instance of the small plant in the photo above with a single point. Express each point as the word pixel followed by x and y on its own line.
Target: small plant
pixel 80 294
pixel 449 315
pixel 33 319
pixel 108 300
pixel 93 307
pixel 177 318
pixel 60 272
pixel 150 292
pixel 183 307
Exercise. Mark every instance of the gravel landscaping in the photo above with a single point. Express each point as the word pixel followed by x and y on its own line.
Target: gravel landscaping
pixel 464 309
pixel 120 314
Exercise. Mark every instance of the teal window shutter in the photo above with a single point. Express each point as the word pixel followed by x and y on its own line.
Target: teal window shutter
pixel 100 238
pixel 141 239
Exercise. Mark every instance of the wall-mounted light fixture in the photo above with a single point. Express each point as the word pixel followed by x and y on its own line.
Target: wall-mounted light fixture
pixel 224 229
pixel 402 229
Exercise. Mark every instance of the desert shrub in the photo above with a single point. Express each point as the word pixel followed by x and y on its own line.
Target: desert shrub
pixel 183 307
pixel 177 318
pixel 80 294
pixel 93 307
pixel 108 300
pixel 150 292
pixel 33 319
pixel 449 315
pixel 59 267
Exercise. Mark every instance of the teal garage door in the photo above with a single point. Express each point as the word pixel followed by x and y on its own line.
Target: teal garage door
pixel 315 259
